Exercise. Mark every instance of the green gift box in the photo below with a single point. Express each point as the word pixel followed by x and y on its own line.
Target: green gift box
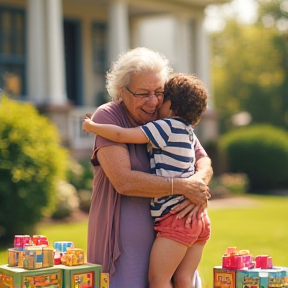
pixel 15 277
pixel 80 276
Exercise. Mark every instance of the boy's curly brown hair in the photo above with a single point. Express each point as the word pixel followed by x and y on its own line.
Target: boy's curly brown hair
pixel 188 97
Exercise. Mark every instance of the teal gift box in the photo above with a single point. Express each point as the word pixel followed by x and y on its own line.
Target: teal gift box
pixel 264 278
pixel 81 276
pixel 15 277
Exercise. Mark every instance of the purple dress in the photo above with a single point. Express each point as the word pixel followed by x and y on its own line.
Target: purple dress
pixel 120 228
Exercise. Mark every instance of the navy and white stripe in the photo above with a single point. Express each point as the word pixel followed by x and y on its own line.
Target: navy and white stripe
pixel 172 154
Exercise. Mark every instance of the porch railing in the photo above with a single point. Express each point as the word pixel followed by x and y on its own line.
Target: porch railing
pixel 78 139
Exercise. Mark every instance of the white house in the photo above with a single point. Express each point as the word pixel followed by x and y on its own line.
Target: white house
pixel 54 53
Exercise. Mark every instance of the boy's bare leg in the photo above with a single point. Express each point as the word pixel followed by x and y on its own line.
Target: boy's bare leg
pixel 184 274
pixel 166 255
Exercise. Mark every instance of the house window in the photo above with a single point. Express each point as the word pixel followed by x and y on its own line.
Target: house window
pixel 12 51
pixel 99 47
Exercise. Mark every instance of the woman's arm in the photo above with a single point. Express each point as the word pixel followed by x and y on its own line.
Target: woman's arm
pixel 115 133
pixel 204 169
pixel 115 162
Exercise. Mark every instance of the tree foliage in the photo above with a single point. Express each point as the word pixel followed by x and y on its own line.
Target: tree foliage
pixel 250 71
pixel 31 164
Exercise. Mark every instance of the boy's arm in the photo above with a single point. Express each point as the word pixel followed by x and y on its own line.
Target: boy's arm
pixel 115 133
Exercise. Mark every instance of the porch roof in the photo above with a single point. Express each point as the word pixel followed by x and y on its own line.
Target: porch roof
pixel 187 3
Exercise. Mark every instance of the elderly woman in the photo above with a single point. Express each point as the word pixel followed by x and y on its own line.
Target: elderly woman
pixel 120 228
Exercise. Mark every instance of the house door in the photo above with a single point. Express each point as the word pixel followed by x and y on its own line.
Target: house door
pixel 73 62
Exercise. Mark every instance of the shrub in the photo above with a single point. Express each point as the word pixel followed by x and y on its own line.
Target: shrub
pixel 67 200
pixel 32 162
pixel 80 174
pixel 84 200
pixel 229 183
pixel 260 151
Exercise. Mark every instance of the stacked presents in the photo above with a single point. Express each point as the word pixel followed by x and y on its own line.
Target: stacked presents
pixel 33 263
pixel 240 270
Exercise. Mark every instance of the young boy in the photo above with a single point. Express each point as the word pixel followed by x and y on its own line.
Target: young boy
pixel 177 249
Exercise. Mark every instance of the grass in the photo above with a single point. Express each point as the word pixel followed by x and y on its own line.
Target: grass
pixel 261 228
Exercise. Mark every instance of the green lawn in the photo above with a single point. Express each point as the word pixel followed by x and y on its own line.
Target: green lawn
pixel 262 229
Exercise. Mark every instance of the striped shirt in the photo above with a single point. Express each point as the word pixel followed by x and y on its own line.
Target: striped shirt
pixel 172 154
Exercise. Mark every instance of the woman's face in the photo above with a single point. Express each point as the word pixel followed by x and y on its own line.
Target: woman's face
pixel 143 109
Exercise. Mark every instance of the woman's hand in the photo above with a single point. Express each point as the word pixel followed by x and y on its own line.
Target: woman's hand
pixel 196 191
pixel 188 209
pixel 183 209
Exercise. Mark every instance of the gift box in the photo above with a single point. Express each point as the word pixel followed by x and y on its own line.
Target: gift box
pixel 15 257
pixel 83 276
pixel 40 240
pixel 263 262
pixel 104 280
pixel 62 246
pixel 36 257
pixel 240 270
pixel 73 256
pixel 31 257
pixel 237 259
pixel 20 241
pixel 262 278
pixel 224 278
pixel 15 277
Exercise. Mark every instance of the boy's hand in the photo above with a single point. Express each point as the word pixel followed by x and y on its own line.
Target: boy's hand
pixel 87 123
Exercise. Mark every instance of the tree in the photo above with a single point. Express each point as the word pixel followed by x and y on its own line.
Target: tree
pixel 273 15
pixel 249 74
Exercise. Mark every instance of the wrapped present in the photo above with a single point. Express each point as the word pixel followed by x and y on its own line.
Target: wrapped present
pixel 224 278
pixel 62 246
pixel 240 270
pixel 40 240
pixel 237 259
pixel 263 262
pixel 73 256
pixel 29 252
pixel 83 276
pixel 18 277
pixel 15 257
pixel 20 241
pixel 104 280
pixel 264 278
pixel 36 257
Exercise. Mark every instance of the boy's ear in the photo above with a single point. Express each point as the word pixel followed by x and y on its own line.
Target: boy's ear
pixel 169 101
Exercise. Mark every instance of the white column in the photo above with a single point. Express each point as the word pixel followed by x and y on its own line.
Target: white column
pixel 183 42
pixel 37 78
pixel 202 54
pixel 118 29
pixel 208 127
pixel 55 53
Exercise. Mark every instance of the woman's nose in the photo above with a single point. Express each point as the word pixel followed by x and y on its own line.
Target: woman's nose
pixel 153 100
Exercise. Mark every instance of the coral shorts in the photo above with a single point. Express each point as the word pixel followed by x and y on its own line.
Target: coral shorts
pixel 170 227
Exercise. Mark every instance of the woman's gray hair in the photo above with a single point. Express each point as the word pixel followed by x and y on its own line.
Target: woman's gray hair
pixel 138 60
